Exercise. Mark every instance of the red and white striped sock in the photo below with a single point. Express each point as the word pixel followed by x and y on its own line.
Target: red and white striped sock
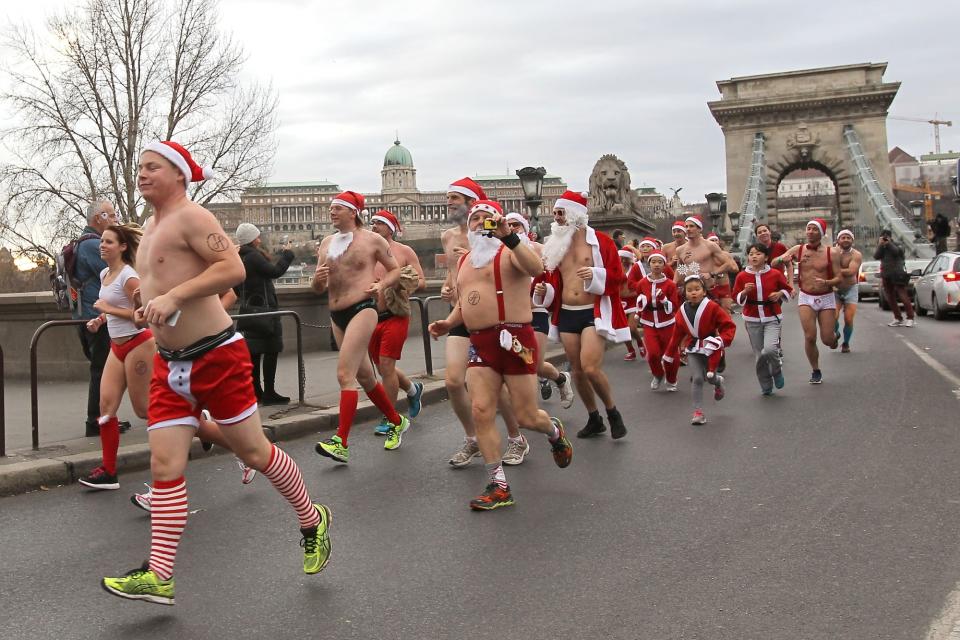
pixel 284 474
pixel 168 517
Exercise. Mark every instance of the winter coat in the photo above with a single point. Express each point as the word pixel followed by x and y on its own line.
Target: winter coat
pixel 258 290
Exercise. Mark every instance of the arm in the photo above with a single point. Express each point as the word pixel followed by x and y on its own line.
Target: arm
pixel 726 261
pixel 878 252
pixel 606 280
pixel 228 299
pixel 322 274
pixel 784 290
pixel 522 256
pixel 130 287
pixel 415 263
pixel 441 327
pixel 738 293
pixel 726 328
pixel 390 265
pixel 854 267
pixel 259 264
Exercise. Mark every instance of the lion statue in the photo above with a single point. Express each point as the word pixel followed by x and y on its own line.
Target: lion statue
pixel 610 191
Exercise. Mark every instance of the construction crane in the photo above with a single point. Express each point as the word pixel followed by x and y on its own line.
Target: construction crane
pixel 929 195
pixel 936 122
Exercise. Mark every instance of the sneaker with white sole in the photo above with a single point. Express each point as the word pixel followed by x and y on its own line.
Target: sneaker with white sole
pixel 465 454
pixel 247 473
pixel 655 384
pixel 672 387
pixel 698 417
pixel 566 389
pixel 99 479
pixel 143 500
pixel 895 323
pixel 909 322
pixel 516 451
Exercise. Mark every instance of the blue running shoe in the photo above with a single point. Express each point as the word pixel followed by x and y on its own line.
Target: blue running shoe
pixel 778 380
pixel 383 428
pixel 413 402
pixel 816 377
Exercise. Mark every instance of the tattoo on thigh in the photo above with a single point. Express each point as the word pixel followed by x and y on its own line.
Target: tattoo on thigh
pixel 474 298
pixel 140 367
pixel 217 242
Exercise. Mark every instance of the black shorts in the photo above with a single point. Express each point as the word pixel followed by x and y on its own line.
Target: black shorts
pixel 541 322
pixel 459 331
pixel 575 320
pixel 342 317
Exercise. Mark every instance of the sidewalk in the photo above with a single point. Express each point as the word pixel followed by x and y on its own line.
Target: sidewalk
pixel 65 455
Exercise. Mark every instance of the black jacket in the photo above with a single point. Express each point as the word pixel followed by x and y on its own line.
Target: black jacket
pixel 890 256
pixel 263 336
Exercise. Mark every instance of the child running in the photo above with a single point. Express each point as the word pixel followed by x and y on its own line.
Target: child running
pixel 657 300
pixel 628 299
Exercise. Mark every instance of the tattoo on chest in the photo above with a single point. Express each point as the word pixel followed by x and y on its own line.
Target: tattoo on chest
pixel 474 298
pixel 217 242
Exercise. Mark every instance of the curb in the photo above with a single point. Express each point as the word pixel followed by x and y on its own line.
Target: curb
pixel 44 473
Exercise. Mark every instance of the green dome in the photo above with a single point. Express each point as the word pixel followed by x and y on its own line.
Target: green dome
pixel 397 156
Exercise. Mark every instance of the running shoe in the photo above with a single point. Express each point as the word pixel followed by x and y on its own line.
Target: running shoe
pixel 396 434
pixel 316 542
pixel 141 584
pixel 895 323
pixel 566 390
pixel 778 380
pixel 101 480
pixel 247 473
pixel 545 389
pixel 516 451
pixel 672 387
pixel 465 454
pixel 844 348
pixel 493 497
pixel 718 391
pixel 698 417
pixel 382 428
pixel 909 322
pixel 414 402
pixel 766 392
pixel 617 428
pixel 562 449
pixel 631 356
pixel 655 384
pixel 592 428
pixel 333 448
pixel 816 377
pixel 143 500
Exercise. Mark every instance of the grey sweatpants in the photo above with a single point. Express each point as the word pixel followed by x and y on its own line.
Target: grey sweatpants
pixel 764 340
pixel 697 362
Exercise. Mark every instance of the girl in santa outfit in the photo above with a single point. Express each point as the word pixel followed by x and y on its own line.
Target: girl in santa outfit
pixel 703 330
pixel 760 290
pixel 657 301
pixel 628 300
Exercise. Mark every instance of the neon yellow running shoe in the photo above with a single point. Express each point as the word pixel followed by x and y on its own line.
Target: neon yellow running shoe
pixel 141 584
pixel 316 542
pixel 333 448
pixel 395 435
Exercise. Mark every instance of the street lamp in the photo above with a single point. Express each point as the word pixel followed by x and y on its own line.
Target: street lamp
pixel 531 181
pixel 735 227
pixel 916 207
pixel 714 204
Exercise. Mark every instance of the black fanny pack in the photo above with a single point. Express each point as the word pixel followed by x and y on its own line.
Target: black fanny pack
pixel 384 315
pixel 198 348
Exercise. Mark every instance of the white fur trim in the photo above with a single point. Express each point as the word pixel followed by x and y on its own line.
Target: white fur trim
pixel 845 232
pixel 455 188
pixel 344 203
pixel 483 206
pixel 819 226
pixel 629 255
pixel 519 218
pixel 570 206
pixel 173 156
pixel 384 221
pixel 699 223
pixel 598 283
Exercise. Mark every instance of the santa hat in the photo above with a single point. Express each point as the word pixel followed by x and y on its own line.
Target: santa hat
pixel 513 215
pixel 657 254
pixel 845 232
pixel 490 206
pixel 181 159
pixel 627 255
pixel 352 200
pixel 697 220
pixel 713 237
pixel 678 225
pixel 469 188
pixel 820 224
pixel 650 241
pixel 388 219
pixel 572 202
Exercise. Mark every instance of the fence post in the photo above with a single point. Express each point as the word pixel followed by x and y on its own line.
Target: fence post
pixel 34 405
pixel 425 334
pixel 3 411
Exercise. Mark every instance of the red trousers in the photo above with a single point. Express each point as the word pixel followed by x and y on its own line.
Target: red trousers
pixel 656 342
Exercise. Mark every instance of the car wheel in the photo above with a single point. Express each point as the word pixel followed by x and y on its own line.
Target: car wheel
pixel 938 313
pixel 916 305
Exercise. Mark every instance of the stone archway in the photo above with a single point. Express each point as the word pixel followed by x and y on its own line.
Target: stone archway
pixel 802 115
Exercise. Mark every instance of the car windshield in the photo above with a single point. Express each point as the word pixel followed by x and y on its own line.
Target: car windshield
pixel 917 264
pixel 870 267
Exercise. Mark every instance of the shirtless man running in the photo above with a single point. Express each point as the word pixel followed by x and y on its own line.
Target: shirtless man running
pixel 461 195
pixel 185 261
pixel 715 263
pixel 819 272
pixel 386 345
pixel 346 263
pixel 494 305
pixel 848 289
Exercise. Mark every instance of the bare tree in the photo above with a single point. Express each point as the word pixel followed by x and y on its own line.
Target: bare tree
pixel 106 79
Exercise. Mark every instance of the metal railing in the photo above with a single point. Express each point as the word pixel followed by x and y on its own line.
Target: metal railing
pixel 425 333
pixel 34 373
pixel 3 412
pixel 754 196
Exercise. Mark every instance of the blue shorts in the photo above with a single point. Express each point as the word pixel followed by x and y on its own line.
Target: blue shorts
pixel 850 295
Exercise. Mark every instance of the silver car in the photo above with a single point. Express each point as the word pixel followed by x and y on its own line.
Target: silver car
pixel 938 289
pixel 869 278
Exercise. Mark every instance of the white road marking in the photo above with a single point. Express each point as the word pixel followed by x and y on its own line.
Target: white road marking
pixel 934 364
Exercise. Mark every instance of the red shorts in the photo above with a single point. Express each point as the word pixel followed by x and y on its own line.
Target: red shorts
pixel 485 350
pixel 721 291
pixel 122 350
pixel 388 338
pixel 220 381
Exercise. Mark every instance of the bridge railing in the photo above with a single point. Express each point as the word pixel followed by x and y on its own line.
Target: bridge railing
pixel 754 197
pixel 877 202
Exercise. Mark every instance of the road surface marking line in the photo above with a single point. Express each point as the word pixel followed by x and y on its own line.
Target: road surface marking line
pixel 936 365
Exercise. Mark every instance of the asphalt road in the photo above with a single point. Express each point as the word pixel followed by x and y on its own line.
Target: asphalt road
pixel 822 512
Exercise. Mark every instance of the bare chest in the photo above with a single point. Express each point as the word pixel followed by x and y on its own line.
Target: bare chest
pixel 814 262
pixel 578 256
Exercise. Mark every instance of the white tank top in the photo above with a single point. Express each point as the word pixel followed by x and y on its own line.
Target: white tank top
pixel 114 294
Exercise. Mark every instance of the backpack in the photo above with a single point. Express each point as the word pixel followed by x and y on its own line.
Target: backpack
pixel 63 280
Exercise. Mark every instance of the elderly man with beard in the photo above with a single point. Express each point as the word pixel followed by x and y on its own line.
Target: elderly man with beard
pixel 493 282
pixel 460 197
pixel 584 266
pixel 346 270
pixel 848 289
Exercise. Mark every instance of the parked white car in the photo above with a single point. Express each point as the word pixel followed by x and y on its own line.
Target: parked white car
pixel 938 289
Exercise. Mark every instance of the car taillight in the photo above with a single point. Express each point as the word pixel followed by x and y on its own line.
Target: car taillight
pixel 951 276
pixel 863 277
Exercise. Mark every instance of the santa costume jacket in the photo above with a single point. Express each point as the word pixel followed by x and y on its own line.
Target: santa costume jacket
pixel 710 331
pixel 641 270
pixel 756 307
pixel 658 301
pixel 608 316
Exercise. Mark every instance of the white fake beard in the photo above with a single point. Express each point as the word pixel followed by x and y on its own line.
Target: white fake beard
pixel 339 244
pixel 557 244
pixel 482 249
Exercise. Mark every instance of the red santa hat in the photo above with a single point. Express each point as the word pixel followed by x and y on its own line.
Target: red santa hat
pixel 627 255
pixel 845 232
pixel 181 159
pixel 469 188
pixel 697 220
pixel 657 254
pixel 572 202
pixel 351 200
pixel 713 237
pixel 514 216
pixel 820 224
pixel 490 206
pixel 387 218
pixel 650 241
pixel 678 225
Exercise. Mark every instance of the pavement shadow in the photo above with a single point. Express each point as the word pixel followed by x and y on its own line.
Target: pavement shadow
pixel 160 625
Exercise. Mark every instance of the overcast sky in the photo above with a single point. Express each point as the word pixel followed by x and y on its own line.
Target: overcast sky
pixel 483 87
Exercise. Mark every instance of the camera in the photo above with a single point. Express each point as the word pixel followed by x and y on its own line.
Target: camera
pixel 489 226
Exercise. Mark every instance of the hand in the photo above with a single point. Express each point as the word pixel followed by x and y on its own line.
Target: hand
pixel 94 324
pixel 461 250
pixel 750 286
pixel 795 293
pixel 322 274
pixel 446 293
pixel 540 289
pixel 139 319
pixel 585 274
pixel 776 296
pixel 137 301
pixel 439 328
pixel 158 310
pixel 820 281
pixel 100 305
pixel 503 229
pixel 374 289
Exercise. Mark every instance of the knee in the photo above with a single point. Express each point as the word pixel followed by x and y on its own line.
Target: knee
pixel 484 413
pixel 346 379
pixel 165 464
pixel 591 370
pixel 526 416
pixel 387 367
pixel 257 458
